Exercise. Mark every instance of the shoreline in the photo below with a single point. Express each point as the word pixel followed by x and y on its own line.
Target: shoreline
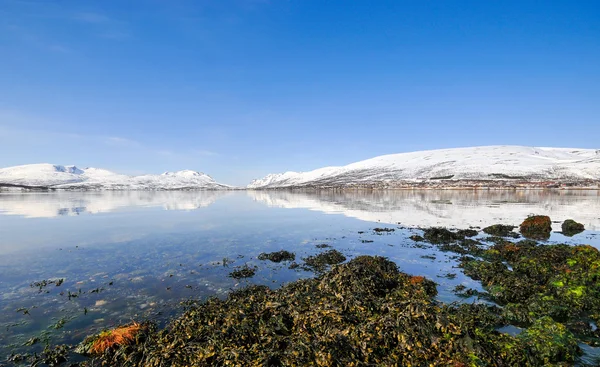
pixel 366 280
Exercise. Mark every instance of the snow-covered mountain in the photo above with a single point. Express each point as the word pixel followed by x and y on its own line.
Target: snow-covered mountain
pixel 73 178
pixel 445 166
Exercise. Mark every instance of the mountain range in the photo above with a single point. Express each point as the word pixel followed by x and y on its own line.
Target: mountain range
pixel 461 167
pixel 51 176
pixel 488 166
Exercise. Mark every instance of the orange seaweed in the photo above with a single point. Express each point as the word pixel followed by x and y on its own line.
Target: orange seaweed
pixel 122 335
pixel 417 279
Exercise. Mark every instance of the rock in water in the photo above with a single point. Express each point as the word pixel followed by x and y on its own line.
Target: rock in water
pixel 537 227
pixel 571 228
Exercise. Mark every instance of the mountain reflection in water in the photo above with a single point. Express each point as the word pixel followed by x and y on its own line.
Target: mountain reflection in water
pixel 411 208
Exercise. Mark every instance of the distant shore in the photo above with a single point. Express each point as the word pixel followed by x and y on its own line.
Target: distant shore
pixel 441 184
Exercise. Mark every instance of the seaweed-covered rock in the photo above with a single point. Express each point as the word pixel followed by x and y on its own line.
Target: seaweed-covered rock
pixel 440 235
pixel 363 313
pixel 416 238
pixel 320 262
pixel 550 342
pixel 501 230
pixel 537 227
pixel 571 228
pixel 533 281
pixel 243 271
pixel 111 340
pixel 277 256
pixel 467 233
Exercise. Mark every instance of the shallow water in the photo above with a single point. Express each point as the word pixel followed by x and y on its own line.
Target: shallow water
pixel 137 255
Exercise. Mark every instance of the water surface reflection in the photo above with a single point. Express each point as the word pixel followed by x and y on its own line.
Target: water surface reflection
pixel 132 255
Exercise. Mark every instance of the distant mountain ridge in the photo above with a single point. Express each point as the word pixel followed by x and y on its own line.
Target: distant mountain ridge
pixel 502 166
pixel 57 177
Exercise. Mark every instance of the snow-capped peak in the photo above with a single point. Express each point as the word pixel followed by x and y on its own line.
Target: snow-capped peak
pixel 68 169
pixel 185 173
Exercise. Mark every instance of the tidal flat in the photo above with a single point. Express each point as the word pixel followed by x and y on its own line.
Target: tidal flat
pixel 75 265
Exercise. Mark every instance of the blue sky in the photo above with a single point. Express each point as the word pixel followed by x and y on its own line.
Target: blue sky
pixel 242 88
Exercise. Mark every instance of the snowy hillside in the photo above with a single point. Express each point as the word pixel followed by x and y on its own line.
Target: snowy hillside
pixel 73 178
pixel 490 163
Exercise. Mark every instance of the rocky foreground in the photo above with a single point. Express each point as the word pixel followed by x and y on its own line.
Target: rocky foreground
pixel 368 313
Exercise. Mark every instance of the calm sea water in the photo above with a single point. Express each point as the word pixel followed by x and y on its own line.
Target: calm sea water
pixel 136 255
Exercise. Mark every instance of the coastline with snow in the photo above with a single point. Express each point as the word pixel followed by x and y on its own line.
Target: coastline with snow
pixel 489 167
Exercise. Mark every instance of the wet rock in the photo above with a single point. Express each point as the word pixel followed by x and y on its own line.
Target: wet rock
pixel 571 228
pixel 537 227
pixel 278 256
pixel 501 230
